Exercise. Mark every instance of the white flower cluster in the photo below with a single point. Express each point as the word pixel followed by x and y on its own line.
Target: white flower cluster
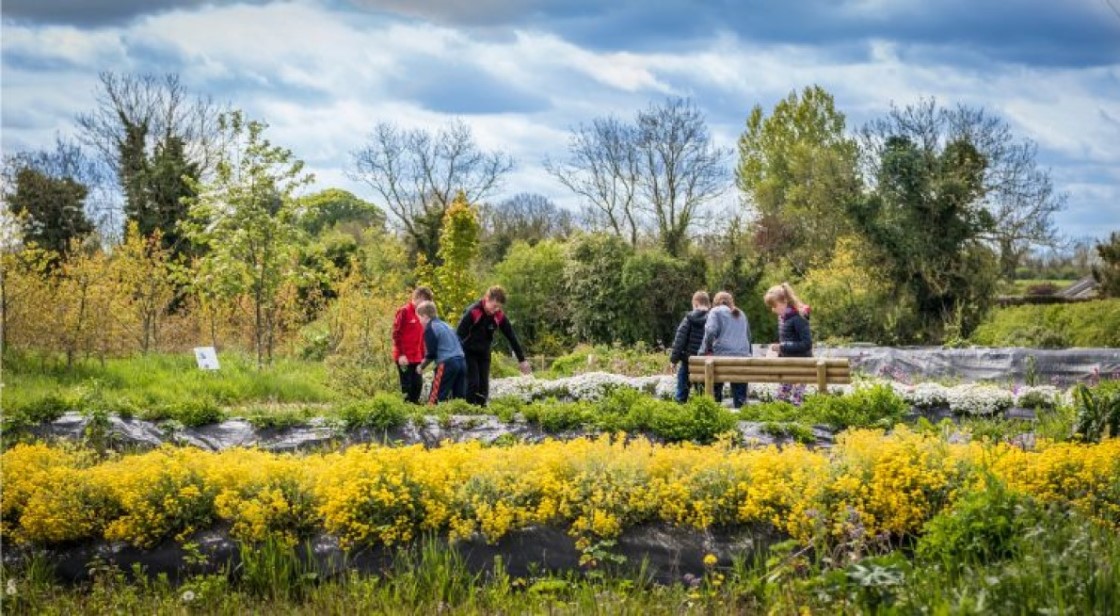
pixel 924 395
pixel 977 399
pixel 1041 396
pixel 588 387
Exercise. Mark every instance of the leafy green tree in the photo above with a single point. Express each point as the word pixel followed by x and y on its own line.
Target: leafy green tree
pixel 533 276
pixel 797 168
pixel 925 223
pixel 335 207
pixel 247 217
pixel 453 281
pixel 657 289
pixel 593 278
pixel 1107 274
pixel 50 209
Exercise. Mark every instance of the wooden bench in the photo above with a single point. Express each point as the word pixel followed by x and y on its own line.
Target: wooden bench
pixel 819 371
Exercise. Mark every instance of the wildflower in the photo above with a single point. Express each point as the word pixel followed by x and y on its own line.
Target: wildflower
pixel 188 596
pixel 11 589
pixel 710 560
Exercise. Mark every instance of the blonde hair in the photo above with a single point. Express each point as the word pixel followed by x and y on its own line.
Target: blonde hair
pixel 783 293
pixel 723 298
pixel 427 309
pixel 702 298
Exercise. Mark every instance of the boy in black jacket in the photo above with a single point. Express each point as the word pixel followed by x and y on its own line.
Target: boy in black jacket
pixel 690 333
pixel 476 332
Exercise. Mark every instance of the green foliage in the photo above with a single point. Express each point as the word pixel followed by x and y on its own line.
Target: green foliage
pixel 983 527
pixel 454 283
pixel 699 420
pixel 1107 274
pixel 798 167
pixel 190 413
pixel 158 186
pixel 383 412
pixel 340 209
pixel 877 406
pixel 1080 324
pixel 636 360
pixel 950 273
pixel 656 290
pixel 51 210
pixel 247 217
pixel 533 277
pixel 275 570
pixel 594 281
pixel 1097 413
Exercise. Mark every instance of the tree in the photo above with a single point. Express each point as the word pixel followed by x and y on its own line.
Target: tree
pixel 1017 194
pixel 247 217
pixel 524 217
pixel 602 168
pixel 593 279
pixel 656 289
pixel 144 272
pixel 680 169
pixel 533 277
pixel 925 223
pixel 664 167
pixel 1107 273
pixel 418 173
pixel 65 160
pixel 335 207
pixel 453 281
pixel 150 132
pixel 51 210
pixel 797 168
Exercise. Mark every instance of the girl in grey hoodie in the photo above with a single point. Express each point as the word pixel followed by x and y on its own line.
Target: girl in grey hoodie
pixel 727 333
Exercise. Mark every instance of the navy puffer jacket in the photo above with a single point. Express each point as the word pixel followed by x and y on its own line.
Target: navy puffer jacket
pixel 794 336
pixel 690 333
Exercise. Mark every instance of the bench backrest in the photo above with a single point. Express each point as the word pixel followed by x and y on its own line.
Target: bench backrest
pixel 820 371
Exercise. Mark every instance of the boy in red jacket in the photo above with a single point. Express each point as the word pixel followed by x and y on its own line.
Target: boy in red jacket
pixel 408 345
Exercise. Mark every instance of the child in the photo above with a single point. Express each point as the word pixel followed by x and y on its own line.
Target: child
pixel 690 333
pixel 727 333
pixel 408 345
pixel 794 337
pixel 443 348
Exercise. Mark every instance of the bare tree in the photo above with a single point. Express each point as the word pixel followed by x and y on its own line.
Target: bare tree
pixel 135 118
pixel 1019 195
pixel 664 166
pixel 160 108
pixel 417 173
pixel 525 217
pixel 680 169
pixel 602 168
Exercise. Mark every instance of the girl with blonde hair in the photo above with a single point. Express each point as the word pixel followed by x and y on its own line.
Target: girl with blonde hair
pixel 794 337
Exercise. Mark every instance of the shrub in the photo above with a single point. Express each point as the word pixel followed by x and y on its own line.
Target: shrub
pixel 383 412
pixel 1084 324
pixel 877 406
pixel 700 420
pixel 982 527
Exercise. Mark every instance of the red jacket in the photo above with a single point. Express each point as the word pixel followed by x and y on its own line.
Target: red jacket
pixel 408 335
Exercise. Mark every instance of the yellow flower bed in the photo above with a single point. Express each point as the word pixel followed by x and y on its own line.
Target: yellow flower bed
pixel 870 483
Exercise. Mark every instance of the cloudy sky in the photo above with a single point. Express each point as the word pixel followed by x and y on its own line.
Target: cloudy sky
pixel 522 72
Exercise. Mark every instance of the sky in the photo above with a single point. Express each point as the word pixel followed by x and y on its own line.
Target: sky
pixel 522 73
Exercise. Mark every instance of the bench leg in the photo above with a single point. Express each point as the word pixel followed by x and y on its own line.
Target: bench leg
pixel 822 377
pixel 710 378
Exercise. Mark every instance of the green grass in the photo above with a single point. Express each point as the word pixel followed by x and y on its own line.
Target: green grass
pixel 1019 287
pixel 157 380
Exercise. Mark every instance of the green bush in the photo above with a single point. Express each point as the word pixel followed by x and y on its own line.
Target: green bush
pixel 700 420
pixel 1081 324
pixel 382 412
pixel 638 360
pixel 877 406
pixel 981 528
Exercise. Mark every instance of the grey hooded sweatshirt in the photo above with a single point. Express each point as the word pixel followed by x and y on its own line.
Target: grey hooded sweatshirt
pixel 726 334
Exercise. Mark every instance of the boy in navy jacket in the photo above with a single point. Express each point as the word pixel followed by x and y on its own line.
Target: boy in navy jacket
pixel 443 349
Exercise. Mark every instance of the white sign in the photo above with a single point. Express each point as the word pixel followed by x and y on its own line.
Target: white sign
pixel 207 358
